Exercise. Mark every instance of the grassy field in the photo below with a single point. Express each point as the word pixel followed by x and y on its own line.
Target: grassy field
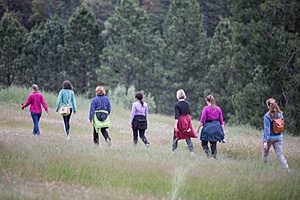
pixel 50 167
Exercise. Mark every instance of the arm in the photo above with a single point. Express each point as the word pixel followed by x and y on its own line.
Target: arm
pixel 176 110
pixel 202 120
pixel 132 114
pixel 92 110
pixel 109 106
pixel 267 123
pixel 58 101
pixel 175 125
pixel 146 110
pixel 28 102
pixel 44 104
pixel 73 101
pixel 221 121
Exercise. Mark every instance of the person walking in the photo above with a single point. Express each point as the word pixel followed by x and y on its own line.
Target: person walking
pixel 35 100
pixel 138 119
pixel 66 96
pixel 213 127
pixel 99 115
pixel 270 138
pixel 183 128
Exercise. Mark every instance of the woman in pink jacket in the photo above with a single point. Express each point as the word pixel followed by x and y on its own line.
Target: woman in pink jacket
pixel 35 100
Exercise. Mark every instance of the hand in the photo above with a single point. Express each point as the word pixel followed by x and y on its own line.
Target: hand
pixel 91 121
pixel 224 134
pixel 56 110
pixel 48 112
pixel 74 112
pixel 265 146
pixel 175 128
pixel 130 125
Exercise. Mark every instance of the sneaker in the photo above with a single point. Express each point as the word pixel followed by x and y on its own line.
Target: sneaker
pixel 148 145
pixel 108 141
pixel 192 154
pixel 223 141
pixel 68 137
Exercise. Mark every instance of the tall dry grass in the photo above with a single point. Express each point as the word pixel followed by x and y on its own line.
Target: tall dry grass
pixel 50 167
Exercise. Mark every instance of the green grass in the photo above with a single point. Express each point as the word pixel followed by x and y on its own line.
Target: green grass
pixel 50 167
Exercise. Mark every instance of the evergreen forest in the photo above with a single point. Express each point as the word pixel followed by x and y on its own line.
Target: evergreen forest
pixel 240 51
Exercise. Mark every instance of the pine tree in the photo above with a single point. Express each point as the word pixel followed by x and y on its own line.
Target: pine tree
pixel 66 8
pixel 84 44
pixel 219 79
pixel 184 55
pixel 267 37
pixel 50 65
pixel 11 44
pixel 126 50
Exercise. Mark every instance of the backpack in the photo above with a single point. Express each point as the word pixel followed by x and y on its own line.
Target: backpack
pixel 278 125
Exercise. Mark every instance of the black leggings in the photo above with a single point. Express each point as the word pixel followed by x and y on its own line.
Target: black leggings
pixel 213 147
pixel 66 120
pixel 142 136
pixel 104 133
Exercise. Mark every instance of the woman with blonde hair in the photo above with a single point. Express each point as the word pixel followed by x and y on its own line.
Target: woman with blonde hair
pixel 99 114
pixel 183 128
pixel 35 100
pixel 270 137
pixel 213 127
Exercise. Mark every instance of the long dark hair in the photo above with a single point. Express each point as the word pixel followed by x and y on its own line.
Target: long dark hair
pixel 139 96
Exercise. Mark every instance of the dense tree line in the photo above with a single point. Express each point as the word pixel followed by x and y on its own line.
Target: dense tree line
pixel 242 52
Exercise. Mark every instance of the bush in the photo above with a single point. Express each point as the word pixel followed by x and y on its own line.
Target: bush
pixel 118 96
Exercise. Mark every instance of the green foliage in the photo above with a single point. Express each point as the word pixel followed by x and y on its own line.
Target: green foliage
pixel 126 50
pixel 11 44
pixel 102 9
pixel 44 52
pixel 83 45
pixel 266 59
pixel 123 98
pixel 220 77
pixel 19 9
pixel 183 54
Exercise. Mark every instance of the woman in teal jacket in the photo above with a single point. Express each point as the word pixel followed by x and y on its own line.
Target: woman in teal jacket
pixel 63 99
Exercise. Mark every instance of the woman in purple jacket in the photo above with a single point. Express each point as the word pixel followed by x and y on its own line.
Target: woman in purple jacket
pixel 138 119
pixel 35 100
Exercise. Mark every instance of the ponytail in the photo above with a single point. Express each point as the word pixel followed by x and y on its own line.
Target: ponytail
pixel 211 99
pixel 139 96
pixel 273 108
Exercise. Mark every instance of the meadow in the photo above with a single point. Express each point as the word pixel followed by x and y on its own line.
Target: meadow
pixel 50 167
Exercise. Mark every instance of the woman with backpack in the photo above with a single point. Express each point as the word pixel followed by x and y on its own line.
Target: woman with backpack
pixel 138 119
pixel 66 97
pixel 35 100
pixel 183 128
pixel 213 127
pixel 271 135
pixel 99 115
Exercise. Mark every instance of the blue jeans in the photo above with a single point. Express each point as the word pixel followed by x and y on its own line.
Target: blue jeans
pixel 36 118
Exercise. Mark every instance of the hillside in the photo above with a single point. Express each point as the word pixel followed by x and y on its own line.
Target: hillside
pixel 50 167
